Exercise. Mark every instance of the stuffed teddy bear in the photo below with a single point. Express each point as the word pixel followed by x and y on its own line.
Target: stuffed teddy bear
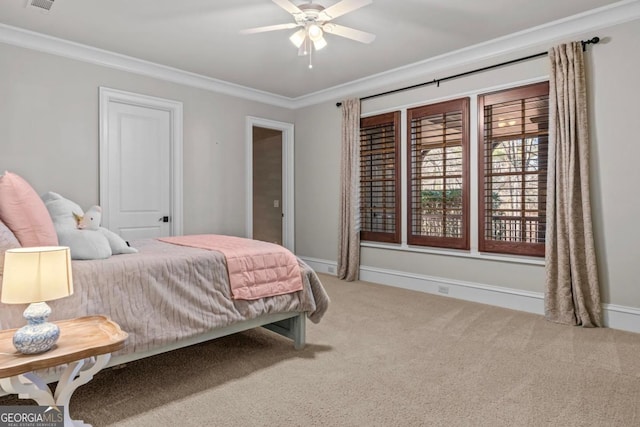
pixel 81 231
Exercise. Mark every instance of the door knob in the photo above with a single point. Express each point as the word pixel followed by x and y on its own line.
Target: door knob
pixel 163 219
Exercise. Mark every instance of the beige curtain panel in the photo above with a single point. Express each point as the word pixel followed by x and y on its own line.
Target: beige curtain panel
pixel 572 294
pixel 349 243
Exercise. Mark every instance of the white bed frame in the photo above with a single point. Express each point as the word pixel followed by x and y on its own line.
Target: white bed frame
pixel 291 325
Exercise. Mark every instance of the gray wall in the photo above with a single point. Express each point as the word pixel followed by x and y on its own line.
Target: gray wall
pixel 49 134
pixel 614 110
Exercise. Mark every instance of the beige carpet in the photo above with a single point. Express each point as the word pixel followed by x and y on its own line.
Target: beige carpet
pixel 383 357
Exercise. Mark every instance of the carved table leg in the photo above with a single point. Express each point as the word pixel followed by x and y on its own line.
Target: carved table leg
pixel 31 386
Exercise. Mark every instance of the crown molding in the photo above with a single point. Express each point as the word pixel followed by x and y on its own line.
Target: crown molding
pixel 593 20
pixel 56 46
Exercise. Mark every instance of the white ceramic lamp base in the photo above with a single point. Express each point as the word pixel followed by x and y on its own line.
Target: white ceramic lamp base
pixel 38 335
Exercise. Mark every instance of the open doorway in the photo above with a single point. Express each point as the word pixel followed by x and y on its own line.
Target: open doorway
pixel 272 203
pixel 267 185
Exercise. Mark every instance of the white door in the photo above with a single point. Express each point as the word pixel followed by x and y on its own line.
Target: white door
pixel 137 183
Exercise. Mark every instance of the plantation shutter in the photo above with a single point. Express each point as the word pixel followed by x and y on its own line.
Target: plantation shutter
pixel 438 163
pixel 514 135
pixel 380 178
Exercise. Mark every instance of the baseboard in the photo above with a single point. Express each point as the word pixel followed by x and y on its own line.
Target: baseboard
pixel 321 265
pixel 531 302
pixel 621 317
pixel 615 316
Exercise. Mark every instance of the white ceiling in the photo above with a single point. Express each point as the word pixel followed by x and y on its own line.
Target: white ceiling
pixel 202 36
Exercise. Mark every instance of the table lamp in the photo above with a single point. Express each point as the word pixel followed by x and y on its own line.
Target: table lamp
pixel 35 275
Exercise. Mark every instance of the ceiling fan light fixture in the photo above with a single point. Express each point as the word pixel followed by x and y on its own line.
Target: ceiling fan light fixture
pixel 298 37
pixel 319 43
pixel 315 32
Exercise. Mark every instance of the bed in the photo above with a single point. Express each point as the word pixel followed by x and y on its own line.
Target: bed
pixel 164 295
pixel 168 296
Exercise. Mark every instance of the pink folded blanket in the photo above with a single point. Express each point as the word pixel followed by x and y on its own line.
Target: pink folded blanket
pixel 256 269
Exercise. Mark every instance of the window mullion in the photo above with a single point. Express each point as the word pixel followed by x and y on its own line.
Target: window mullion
pixel 523 183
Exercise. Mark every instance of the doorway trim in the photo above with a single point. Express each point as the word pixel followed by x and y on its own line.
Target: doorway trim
pixel 288 208
pixel 174 108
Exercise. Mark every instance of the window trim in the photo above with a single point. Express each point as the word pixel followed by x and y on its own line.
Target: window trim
pixel 380 119
pixel 487 245
pixel 458 104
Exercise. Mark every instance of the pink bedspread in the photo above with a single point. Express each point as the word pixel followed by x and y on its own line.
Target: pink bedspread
pixel 256 269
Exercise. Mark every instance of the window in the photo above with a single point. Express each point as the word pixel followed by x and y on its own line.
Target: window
pixel 380 178
pixel 513 142
pixel 511 165
pixel 438 175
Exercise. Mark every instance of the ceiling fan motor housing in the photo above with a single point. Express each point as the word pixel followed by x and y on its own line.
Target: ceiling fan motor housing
pixel 311 13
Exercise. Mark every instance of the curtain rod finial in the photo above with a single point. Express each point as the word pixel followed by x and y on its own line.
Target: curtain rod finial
pixel 593 40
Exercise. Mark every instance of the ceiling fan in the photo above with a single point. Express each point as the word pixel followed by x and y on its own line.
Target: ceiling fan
pixel 313 21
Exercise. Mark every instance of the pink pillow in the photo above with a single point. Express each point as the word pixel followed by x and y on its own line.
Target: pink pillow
pixel 24 212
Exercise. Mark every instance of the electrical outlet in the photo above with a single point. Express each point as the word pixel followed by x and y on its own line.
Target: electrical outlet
pixel 443 290
pixel 331 269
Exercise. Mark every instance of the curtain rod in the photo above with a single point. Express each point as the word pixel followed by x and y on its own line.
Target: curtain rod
pixel 594 40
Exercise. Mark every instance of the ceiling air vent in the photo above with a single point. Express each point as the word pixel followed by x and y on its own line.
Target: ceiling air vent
pixel 41 5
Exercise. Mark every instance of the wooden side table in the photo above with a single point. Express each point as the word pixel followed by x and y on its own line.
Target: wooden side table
pixel 85 345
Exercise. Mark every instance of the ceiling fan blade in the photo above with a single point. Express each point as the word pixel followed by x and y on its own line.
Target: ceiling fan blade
pixel 269 28
pixel 340 8
pixel 288 6
pixel 350 33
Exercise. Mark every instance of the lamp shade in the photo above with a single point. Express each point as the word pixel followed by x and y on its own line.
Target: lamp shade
pixel 298 37
pixel 36 274
pixel 315 32
pixel 319 43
